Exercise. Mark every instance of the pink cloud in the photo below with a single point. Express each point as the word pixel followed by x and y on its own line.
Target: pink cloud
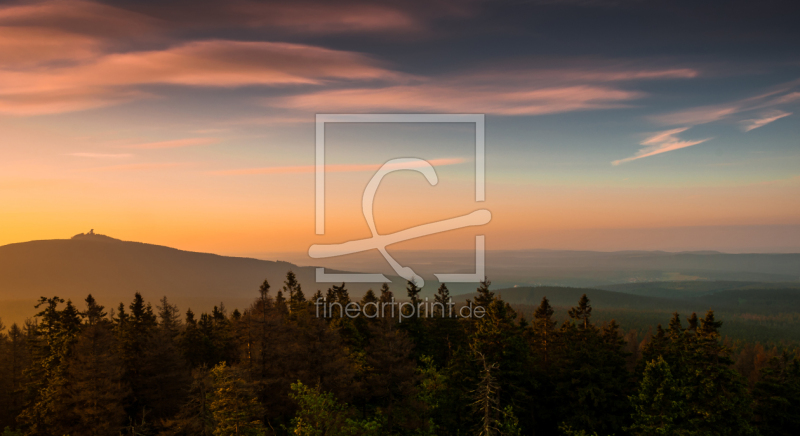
pixel 186 142
pixel 62 100
pixel 708 114
pixel 80 18
pixel 325 18
pixel 748 125
pixel 442 98
pixel 661 142
pixel 578 71
pixel 102 155
pixel 331 168
pixel 216 63
pixel 25 47
pixel 140 167
pixel 698 115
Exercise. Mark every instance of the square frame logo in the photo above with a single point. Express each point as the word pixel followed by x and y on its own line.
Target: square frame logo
pixel 378 241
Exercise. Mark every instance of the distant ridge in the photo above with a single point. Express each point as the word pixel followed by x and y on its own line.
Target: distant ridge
pixel 113 270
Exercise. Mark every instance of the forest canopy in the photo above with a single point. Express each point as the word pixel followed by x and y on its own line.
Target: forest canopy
pixel 277 368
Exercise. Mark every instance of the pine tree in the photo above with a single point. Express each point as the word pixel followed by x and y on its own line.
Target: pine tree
pixel 487 401
pixel 14 359
pixel 53 343
pixel 291 287
pixel 444 333
pixel 386 295
pixel 134 332
pixel 413 324
pixel 392 376
pixel 195 417
pixel 498 342
pixel 592 381
pixel 485 296
pixel 233 404
pixel 777 397
pixel 95 392
pixel 659 404
pixel 544 330
pixel 582 312
pixel 320 414
pixel 168 375
pixel 716 396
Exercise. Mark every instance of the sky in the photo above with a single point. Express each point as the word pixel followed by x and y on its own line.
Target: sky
pixel 620 125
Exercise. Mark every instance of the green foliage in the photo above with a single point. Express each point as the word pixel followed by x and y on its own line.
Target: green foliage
pixel 777 397
pixel 320 414
pixel 716 397
pixel 233 404
pixel 659 404
pixel 144 372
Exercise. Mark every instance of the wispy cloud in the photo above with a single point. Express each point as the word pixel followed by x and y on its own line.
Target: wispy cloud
pixel 108 79
pixel 748 125
pixel 140 167
pixel 176 143
pixel 708 114
pixel 335 168
pixel 102 155
pixel 514 90
pixel 661 142
pixel 443 98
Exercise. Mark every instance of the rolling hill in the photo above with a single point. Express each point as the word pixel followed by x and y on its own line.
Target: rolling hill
pixel 113 270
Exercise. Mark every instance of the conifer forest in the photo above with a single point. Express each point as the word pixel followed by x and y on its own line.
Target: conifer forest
pixel 278 368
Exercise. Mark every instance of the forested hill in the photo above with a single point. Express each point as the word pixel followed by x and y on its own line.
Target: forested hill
pixel 113 270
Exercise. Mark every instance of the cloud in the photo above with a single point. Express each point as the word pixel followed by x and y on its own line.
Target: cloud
pixel 102 155
pixel 443 98
pixel 140 167
pixel 319 17
pixel 698 115
pixel 748 125
pixel 176 143
pixel 78 16
pixel 579 70
pixel 24 47
pixel 661 142
pixel 330 168
pixel 218 63
pixel 708 114
pixel 513 90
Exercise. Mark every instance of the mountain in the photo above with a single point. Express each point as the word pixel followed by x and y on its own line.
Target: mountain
pixel 113 270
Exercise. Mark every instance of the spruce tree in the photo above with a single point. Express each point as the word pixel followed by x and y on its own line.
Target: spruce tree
pixel 95 392
pixel 233 404
pixel 134 332
pixel 582 312
pixel 54 337
pixel 14 360
pixel 392 377
pixel 591 377
pixel 319 413
pixel 544 330
pixel 659 405
pixel 485 296
pixel 777 397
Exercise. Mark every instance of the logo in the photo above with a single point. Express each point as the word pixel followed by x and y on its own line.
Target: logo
pixel 380 242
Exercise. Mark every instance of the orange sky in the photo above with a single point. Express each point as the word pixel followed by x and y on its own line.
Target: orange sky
pixel 197 130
